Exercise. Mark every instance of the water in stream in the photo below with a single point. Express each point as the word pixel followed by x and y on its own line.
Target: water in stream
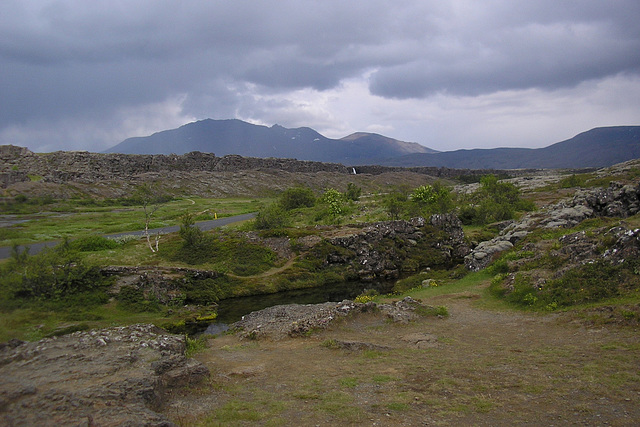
pixel 232 309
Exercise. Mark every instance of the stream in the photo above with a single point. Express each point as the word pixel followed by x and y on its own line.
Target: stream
pixel 232 309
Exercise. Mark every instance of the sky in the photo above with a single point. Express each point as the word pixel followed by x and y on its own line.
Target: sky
pixel 448 74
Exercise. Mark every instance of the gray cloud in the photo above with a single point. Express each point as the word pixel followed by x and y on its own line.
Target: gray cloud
pixel 72 61
pixel 504 53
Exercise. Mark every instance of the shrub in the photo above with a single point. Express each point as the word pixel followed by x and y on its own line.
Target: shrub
pixel 394 204
pixel 55 274
pixel 493 201
pixel 353 192
pixel 432 199
pixel 271 217
pixel 367 296
pixel 124 239
pixel 93 243
pixel 133 299
pixel 297 197
pixel 192 235
pixel 573 181
pixel 207 291
pixel 423 194
pixel 588 283
pixel 335 200
pixel 194 345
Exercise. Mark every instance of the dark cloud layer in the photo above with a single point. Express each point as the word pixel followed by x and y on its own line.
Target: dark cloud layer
pixel 65 60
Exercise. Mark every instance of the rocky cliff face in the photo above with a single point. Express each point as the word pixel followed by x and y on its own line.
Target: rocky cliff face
pixel 17 164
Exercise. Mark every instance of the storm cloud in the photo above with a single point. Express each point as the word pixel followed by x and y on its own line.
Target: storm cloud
pixel 85 75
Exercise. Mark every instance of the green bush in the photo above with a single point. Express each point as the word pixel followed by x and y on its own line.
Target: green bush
pixel 194 345
pixel 208 291
pixel 353 192
pixel 573 181
pixel 133 299
pixel 54 275
pixel 395 203
pixel 271 217
pixel 585 284
pixel 225 253
pixel 93 244
pixel 20 198
pixel 432 199
pixel 493 201
pixel 297 197
pixel 335 201
pixel 192 235
pixel 588 283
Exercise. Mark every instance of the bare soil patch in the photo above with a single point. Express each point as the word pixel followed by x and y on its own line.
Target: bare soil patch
pixel 476 367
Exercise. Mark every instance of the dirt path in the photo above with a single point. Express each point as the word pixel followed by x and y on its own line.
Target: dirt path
pixel 476 367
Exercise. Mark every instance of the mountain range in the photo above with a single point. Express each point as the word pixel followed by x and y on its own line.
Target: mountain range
pixel 597 147
pixel 224 137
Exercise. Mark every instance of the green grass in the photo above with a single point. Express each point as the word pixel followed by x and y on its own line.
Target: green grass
pixel 77 220
pixel 256 407
pixel 194 345
pixel 349 382
pixel 383 379
pixel 339 404
pixel 468 283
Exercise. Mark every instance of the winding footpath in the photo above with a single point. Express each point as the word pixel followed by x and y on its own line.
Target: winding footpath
pixel 5 251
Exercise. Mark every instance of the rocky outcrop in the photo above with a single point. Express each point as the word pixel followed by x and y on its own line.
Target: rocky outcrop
pixel 380 250
pixel 115 376
pixel 617 200
pixel 13 152
pixel 296 319
pixel 160 281
pixel 453 242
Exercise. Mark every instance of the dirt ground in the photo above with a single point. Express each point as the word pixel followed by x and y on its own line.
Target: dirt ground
pixel 475 367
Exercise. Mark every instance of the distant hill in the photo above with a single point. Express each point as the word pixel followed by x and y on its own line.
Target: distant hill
pixel 381 143
pixel 223 137
pixel 597 147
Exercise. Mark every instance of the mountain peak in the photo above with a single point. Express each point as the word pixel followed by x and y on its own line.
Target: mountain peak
pixel 374 138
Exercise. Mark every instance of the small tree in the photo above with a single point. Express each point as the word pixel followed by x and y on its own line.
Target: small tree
pixel 190 233
pixel 395 203
pixel 432 199
pixel 151 200
pixel 335 200
pixel 424 194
